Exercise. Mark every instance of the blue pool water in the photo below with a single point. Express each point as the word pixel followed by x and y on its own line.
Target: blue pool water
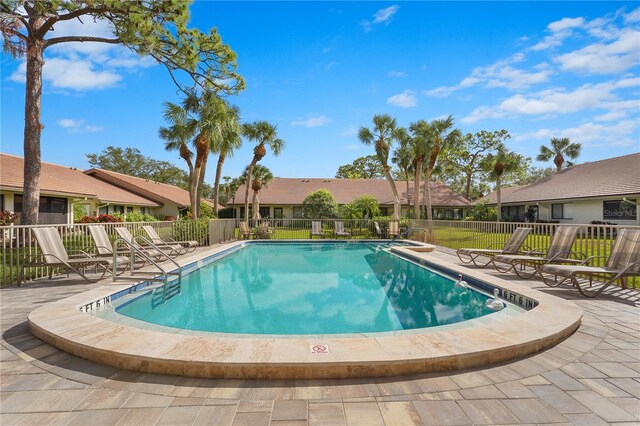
pixel 310 288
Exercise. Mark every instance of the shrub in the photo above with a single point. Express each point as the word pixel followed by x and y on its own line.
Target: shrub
pixel 7 217
pixel 481 212
pixel 103 218
pixel 319 204
pixel 198 230
pixel 140 217
pixel 226 213
pixel 169 218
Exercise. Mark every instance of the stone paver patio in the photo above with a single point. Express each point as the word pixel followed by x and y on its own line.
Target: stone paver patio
pixel 591 378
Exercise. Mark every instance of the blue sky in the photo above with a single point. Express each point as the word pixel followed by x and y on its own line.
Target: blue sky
pixel 319 70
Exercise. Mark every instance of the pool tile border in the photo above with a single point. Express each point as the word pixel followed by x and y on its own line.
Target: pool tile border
pixel 63 325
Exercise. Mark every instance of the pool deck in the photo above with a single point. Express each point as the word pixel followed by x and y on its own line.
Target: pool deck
pixel 593 377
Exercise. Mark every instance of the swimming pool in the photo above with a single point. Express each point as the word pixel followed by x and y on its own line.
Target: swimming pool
pixel 84 325
pixel 308 288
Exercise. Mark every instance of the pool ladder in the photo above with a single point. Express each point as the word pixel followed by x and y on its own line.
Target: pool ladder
pixel 170 285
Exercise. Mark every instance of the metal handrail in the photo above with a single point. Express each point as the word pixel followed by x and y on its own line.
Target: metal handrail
pixel 134 249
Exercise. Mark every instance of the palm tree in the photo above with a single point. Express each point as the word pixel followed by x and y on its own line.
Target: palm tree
pixel 419 144
pixel 230 140
pixel 403 158
pixel 442 136
pixel 263 133
pixel 497 164
pixel 205 119
pixel 385 131
pixel 560 148
pixel 260 178
pixel 177 137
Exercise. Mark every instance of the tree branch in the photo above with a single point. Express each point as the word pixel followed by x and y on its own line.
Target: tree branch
pixel 81 39
pixel 71 15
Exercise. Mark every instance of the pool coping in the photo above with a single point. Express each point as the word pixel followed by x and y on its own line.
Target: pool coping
pixel 63 325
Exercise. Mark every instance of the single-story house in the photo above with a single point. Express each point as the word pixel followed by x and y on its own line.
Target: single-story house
pixel 61 188
pixel 98 191
pixel 172 200
pixel 605 190
pixel 283 197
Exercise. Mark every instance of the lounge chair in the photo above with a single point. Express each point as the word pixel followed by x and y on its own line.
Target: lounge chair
pixel 156 253
pixel 339 230
pixel 623 262
pixel 245 231
pixel 316 229
pixel 394 229
pixel 182 246
pixel 559 252
pixel 513 246
pixel 54 254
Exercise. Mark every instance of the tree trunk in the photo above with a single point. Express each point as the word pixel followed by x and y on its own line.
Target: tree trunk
pixel 32 132
pixel 406 177
pixel 201 183
pixel 427 190
pixel 467 186
pixel 416 190
pixel 247 184
pixel 255 205
pixel 498 198
pixel 558 161
pixel 193 191
pixel 216 183
pixel 387 174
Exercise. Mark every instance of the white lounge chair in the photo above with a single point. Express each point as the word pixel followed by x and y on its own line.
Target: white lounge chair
pixel 316 229
pixel 340 231
pixel 53 254
pixel 181 246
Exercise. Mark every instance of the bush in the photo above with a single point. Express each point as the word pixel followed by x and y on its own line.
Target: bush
pixel 7 217
pixel 602 222
pixel 226 213
pixel 319 204
pixel 187 229
pixel 140 217
pixel 103 218
pixel 481 212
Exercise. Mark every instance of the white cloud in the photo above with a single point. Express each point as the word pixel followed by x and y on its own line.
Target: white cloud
pixel 590 134
pixel 499 74
pixel 600 58
pixel 69 123
pixel 382 16
pixel 560 30
pixel 633 16
pixel 70 74
pixel 565 24
pixel 385 15
pixel 558 101
pixel 312 120
pixel 78 126
pixel 85 66
pixel 351 147
pixel 350 130
pixel 397 74
pixel 406 99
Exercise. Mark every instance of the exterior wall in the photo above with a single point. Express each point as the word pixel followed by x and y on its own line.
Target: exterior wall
pixel 583 211
pixel 168 209
pixel 43 218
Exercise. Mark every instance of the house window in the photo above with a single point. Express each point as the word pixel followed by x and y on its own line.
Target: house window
pixel 619 210
pixel 513 213
pixel 265 212
pixel 118 209
pixel 1 202
pixel 129 210
pixel 277 213
pixel 384 211
pixel 557 211
pixel 47 204
pixel 144 210
pixel 242 212
pixel 297 212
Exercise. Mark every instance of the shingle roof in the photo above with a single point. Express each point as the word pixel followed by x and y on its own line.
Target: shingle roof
pixel 292 191
pixel 56 179
pixel 491 198
pixel 160 192
pixel 605 178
